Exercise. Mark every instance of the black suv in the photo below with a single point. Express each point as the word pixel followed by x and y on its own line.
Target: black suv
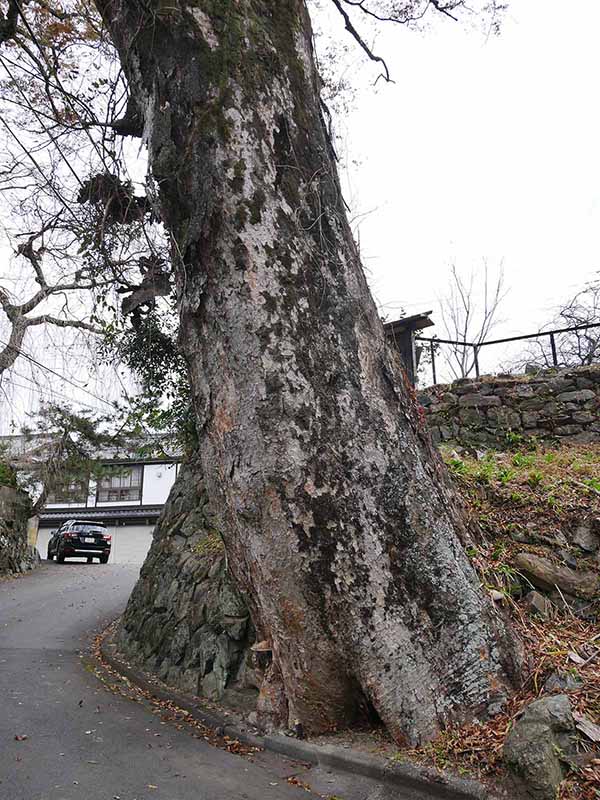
pixel 80 537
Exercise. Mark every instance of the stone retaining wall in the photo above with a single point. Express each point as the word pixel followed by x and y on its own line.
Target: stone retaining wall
pixel 15 553
pixel 494 411
pixel 185 620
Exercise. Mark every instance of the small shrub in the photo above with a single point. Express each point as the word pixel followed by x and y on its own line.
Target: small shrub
pixel 8 477
pixel 532 443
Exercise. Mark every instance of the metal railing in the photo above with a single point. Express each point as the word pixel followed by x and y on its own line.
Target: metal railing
pixel 478 345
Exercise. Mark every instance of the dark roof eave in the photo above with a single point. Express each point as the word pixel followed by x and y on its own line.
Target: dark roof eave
pixel 415 323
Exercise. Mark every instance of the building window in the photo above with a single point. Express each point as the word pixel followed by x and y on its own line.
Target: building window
pixel 65 492
pixel 121 484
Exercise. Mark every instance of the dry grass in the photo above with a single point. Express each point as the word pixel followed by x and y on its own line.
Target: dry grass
pixel 539 495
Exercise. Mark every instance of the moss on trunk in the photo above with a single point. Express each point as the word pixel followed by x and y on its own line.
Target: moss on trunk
pixel 338 522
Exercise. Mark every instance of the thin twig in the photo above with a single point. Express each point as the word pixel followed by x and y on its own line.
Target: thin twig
pixel 352 30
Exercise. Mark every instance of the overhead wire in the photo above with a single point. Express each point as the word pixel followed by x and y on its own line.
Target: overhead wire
pixel 58 375
pixel 35 387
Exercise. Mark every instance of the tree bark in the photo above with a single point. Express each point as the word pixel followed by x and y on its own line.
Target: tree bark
pixel 338 522
pixel 12 350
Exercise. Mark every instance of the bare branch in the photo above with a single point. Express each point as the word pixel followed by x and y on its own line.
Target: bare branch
pixel 365 47
pixel 465 320
pixel 62 323
pixel 444 8
pixel 575 348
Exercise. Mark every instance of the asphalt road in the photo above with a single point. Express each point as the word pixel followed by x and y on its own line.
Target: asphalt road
pixel 84 742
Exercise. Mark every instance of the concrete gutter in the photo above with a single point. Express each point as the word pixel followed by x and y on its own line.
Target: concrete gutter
pixel 419 782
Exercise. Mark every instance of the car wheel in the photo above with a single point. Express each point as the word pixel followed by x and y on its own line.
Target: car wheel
pixel 89 559
pixel 104 559
pixel 60 556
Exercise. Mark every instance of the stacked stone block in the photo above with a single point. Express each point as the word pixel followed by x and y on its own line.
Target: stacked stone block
pixel 15 553
pixel 488 411
pixel 185 620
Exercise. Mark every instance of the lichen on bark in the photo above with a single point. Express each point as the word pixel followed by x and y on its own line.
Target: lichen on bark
pixel 338 523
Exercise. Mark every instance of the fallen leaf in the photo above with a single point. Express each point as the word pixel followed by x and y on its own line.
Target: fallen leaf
pixel 21 737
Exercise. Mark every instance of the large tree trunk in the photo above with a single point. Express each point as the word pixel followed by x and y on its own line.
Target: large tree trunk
pixel 338 523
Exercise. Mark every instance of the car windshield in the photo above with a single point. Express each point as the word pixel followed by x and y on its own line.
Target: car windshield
pixel 81 527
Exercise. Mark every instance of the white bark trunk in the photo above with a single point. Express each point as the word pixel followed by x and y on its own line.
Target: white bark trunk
pixel 338 522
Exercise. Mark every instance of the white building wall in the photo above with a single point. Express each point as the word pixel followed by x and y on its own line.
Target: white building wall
pixel 157 482
pixel 65 505
pixel 92 486
pixel 118 504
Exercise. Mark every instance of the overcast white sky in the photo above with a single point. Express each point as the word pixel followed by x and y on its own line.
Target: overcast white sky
pixel 483 149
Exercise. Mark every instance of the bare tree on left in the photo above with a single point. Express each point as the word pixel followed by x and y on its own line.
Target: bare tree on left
pixel 86 249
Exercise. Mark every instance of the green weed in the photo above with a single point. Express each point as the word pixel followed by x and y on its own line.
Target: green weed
pixel 535 479
pixel 485 473
pixel 513 439
pixel 506 474
pixel 553 502
pixel 457 465
pixel 593 483
pixel 499 551
pixel 522 460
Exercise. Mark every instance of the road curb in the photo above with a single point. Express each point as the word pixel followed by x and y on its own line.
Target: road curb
pixel 428 782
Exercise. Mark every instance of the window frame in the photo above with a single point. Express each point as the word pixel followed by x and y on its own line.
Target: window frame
pixel 120 494
pixel 70 498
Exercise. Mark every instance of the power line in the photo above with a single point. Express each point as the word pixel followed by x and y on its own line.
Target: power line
pixel 34 387
pixel 58 375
